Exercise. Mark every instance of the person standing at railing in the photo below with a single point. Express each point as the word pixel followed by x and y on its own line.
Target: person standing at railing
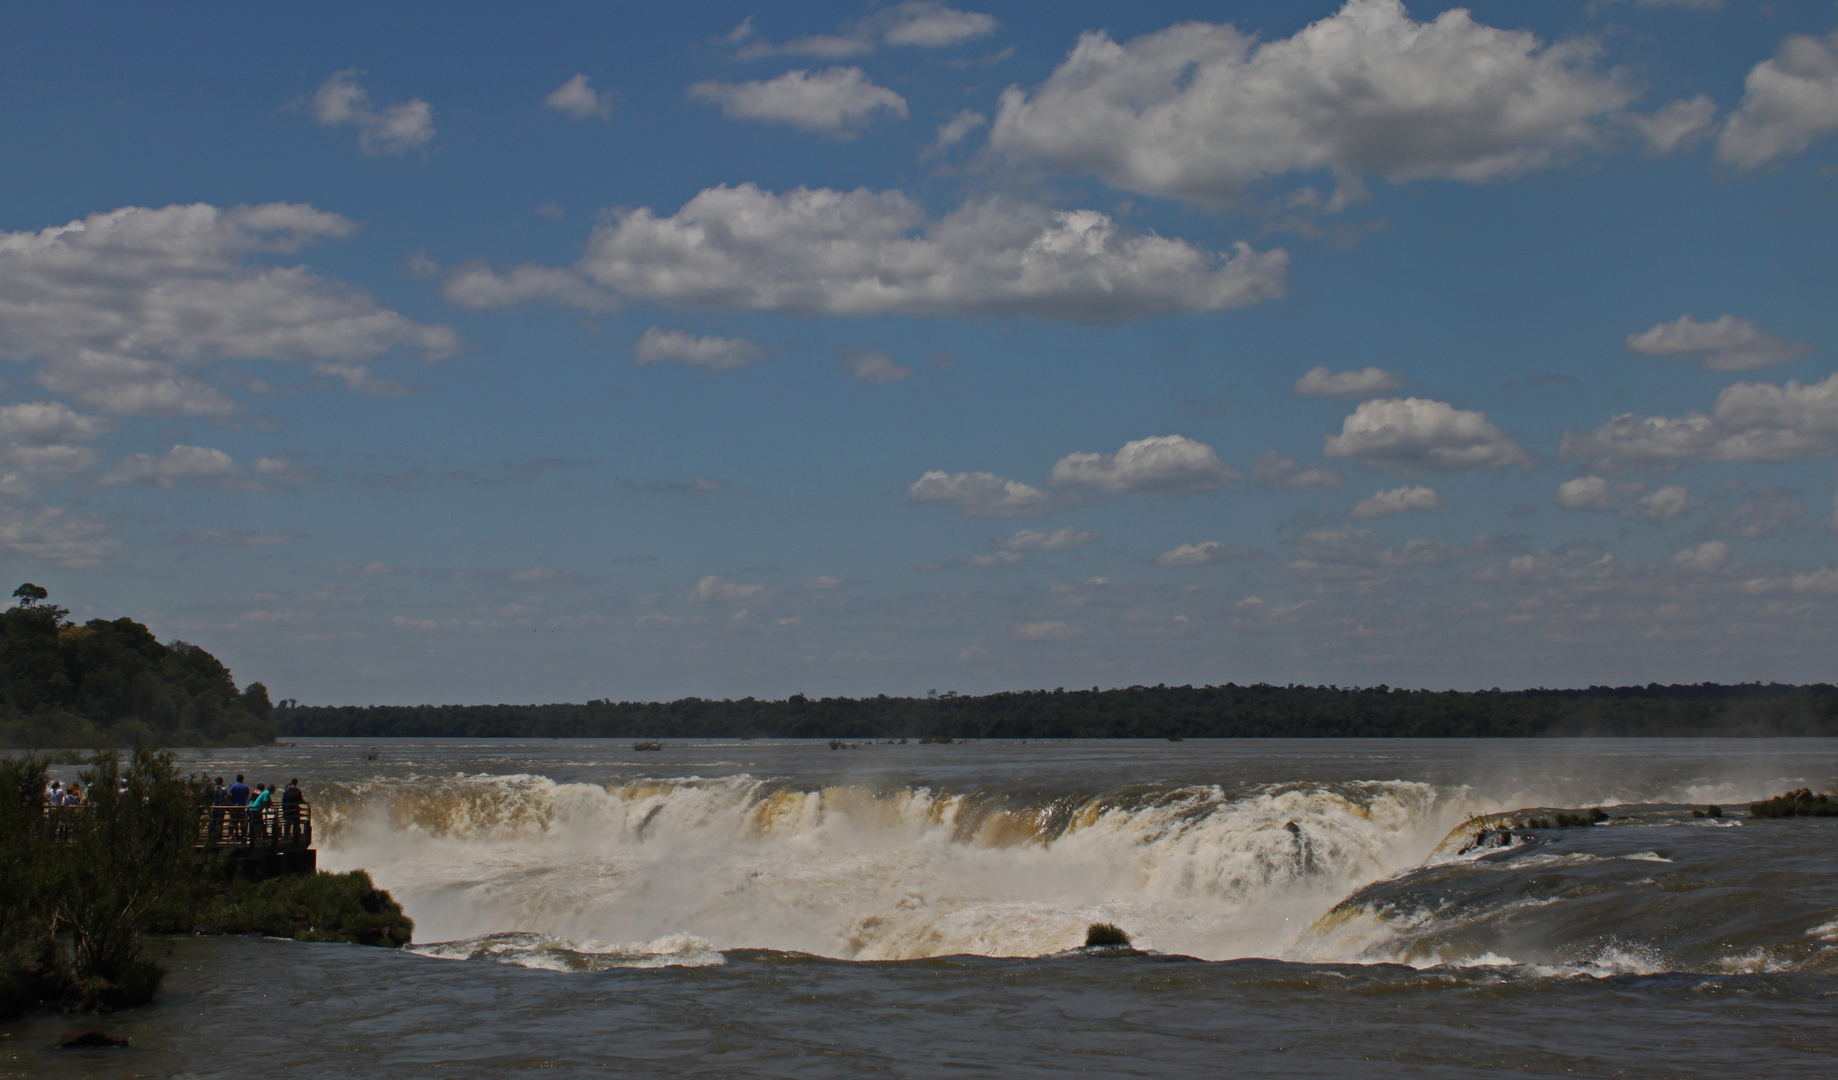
pixel 54 795
pixel 220 805
pixel 239 802
pixel 292 798
pixel 258 810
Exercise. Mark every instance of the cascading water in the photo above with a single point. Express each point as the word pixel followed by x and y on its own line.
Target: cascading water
pixel 857 873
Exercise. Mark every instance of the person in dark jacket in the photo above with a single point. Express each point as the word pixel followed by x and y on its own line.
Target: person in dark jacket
pixel 292 798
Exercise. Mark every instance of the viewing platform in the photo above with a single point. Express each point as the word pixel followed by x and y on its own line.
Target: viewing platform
pixel 272 842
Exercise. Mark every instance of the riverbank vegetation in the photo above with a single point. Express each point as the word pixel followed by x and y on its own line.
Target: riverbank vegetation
pixel 344 908
pixel 1229 711
pixel 1801 803
pixel 79 885
pixel 112 683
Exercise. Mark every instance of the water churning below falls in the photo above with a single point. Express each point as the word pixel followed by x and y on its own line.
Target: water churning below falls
pixel 787 909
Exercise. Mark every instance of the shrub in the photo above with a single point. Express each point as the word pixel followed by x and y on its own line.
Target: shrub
pixel 1800 803
pixel 1106 934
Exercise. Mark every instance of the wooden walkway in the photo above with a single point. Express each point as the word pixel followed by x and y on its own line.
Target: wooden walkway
pixel 271 842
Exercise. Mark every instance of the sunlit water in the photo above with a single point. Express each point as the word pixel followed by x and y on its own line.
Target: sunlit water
pixel 762 908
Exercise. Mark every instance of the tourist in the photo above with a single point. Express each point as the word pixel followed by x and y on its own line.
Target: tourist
pixel 258 809
pixel 239 799
pixel 220 802
pixel 54 795
pixel 292 798
pixel 73 795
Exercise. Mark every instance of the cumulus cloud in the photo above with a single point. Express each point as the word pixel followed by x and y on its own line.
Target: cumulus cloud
pixel 953 131
pixel 580 100
pixel 1209 551
pixel 877 368
pixel 980 494
pixel 260 539
pixel 404 128
pixel 40 423
pixel 823 581
pixel 1788 102
pixel 117 306
pixel 838 101
pixel 862 253
pixel 1707 558
pixel 1046 631
pixel 1750 423
pixel 1766 510
pixel 1367 382
pixel 1728 344
pixel 1676 125
pixel 180 463
pixel 56 536
pixel 656 345
pixel 1066 539
pixel 1277 471
pixel 1160 465
pixel 1357 554
pixel 1201 111
pixel 1665 504
pixel 915 24
pixel 1595 493
pixel 713 590
pixel 1411 435
pixel 1399 500
pixel 54 461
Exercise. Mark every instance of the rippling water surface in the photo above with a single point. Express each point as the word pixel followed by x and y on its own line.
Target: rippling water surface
pixel 762 908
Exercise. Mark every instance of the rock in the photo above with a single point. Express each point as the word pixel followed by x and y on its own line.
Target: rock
pixel 80 1040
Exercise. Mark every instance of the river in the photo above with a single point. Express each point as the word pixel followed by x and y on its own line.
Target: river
pixel 781 908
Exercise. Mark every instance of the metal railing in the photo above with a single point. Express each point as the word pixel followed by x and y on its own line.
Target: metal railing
pixel 281 827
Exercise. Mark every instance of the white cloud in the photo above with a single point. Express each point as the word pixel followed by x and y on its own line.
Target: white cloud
pixel 1418 435
pixel 878 368
pixel 38 423
pixel 1701 5
pixel 918 24
pixel 579 100
pixel 54 461
pixel 712 589
pixel 1275 470
pixel 404 128
pixel 1399 500
pixel 180 463
pixel 980 494
pixel 1790 101
pixel 1750 422
pixel 1676 125
pixel 1046 631
pixel 836 101
pixel 1365 383
pixel 713 353
pixel 1707 558
pixel 862 253
pixel 998 559
pixel 263 538
pixel 1665 504
pixel 822 581
pixel 953 131
pixel 1767 510
pixel 1358 554
pixel 475 285
pixel 117 305
pixel 1209 551
pixel 1066 539
pixel 1160 465
pixel 1595 493
pixel 1201 111
pixel 1729 344
pixel 54 535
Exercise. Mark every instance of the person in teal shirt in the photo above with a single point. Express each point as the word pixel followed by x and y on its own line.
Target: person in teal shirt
pixel 258 808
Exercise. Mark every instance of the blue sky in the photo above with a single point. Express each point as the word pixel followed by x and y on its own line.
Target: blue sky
pixel 423 352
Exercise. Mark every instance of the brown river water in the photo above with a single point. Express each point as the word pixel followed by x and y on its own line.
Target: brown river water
pixel 781 908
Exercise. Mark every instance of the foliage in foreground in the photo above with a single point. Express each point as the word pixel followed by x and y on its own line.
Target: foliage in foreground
pixel 78 887
pixel 307 907
pixel 1801 803
pixel 1138 712
pixel 112 683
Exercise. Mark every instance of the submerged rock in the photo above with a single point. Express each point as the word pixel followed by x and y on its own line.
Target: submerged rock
pixel 83 1040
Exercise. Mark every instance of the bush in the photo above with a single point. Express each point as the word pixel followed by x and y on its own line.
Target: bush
pixel 308 907
pixel 1103 934
pixel 1801 803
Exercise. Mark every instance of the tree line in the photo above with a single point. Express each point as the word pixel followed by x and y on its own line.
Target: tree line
pixel 112 683
pixel 1228 711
